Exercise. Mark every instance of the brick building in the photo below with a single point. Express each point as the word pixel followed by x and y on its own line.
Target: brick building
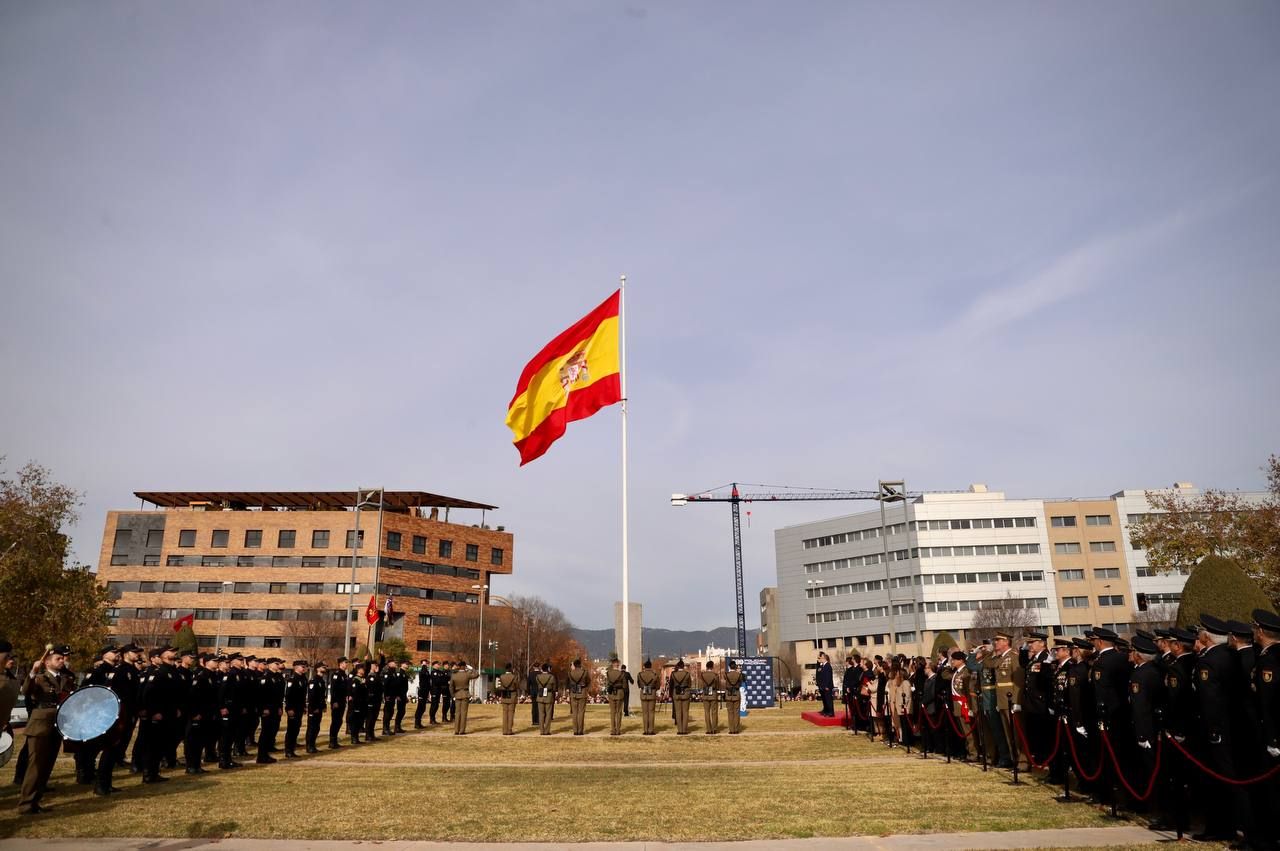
pixel 274 569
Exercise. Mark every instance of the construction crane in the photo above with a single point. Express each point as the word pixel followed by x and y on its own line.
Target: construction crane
pixel 886 492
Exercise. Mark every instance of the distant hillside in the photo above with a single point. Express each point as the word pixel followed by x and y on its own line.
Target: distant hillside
pixel 666 642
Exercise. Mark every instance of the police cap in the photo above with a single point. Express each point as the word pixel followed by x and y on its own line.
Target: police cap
pixel 1215 626
pixel 1145 645
pixel 1269 621
pixel 1239 629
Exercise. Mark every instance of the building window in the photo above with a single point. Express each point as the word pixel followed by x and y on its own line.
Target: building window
pixel 1102 546
pixel 1067 549
pixel 220 538
pixel 206 614
pixel 115 589
pixel 275 614
pixel 424 646
pixel 118 560
pixel 348 588
pixel 212 561
pixel 1107 573
pixel 175 561
pixel 393 541
pixel 277 588
pixel 152 561
pixel 282 561
pixel 1062 522
pixel 904 637
pixel 124 538
pixel 1111 600
pixel 469 598
pixel 242 587
pixel 320 539
pixel 155 538
pixel 244 561
pixel 187 538
pixel 271 642
pixel 310 587
pixel 1098 520
pixel 351 539
pixel 313 561
pixel 473 552
pixel 209 588
pixel 287 539
pixel 253 538
pixel 424 620
pixel 172 587
pixel 446 549
pixel 420 544
pixel 495 555
pixel 310 614
pixel 1070 575
pixel 235 640
pixel 1075 602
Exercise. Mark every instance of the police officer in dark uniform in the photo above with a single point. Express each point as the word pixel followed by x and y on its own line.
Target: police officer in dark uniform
pixel 358 697
pixel 402 696
pixel 1060 708
pixel 102 750
pixel 161 697
pixel 251 675
pixel 439 685
pixel 373 699
pixel 424 694
pixel 1037 693
pixel 228 712
pixel 317 694
pixel 447 709
pixel 1180 719
pixel 200 713
pixel 390 695
pixel 1083 711
pixel 1266 695
pixel 339 695
pixel 1216 681
pixel 185 670
pixel 1147 701
pixel 295 706
pixel 269 697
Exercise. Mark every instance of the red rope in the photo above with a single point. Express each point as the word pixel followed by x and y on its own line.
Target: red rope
pixel 1075 757
pixel 1026 748
pixel 1215 775
pixel 1155 771
pixel 954 726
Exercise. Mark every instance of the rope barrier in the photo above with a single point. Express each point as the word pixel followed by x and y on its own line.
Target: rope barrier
pixel 1155 772
pixel 1215 775
pixel 954 726
pixel 1026 748
pixel 1075 757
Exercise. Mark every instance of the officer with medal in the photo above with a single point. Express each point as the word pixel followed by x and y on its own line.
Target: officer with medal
pixel 47 685
pixel 1083 709
pixel 1060 708
pixel 648 682
pixel 709 680
pixel 578 683
pixel 1010 681
pixel 681 685
pixel 545 683
pixel 508 694
pixel 1036 695
pixel 339 696
pixel 461 685
pixel 615 683
pixel 733 697
pixel 963 710
pixel 317 693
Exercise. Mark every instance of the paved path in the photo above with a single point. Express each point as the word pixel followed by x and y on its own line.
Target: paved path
pixel 750 763
pixel 1081 837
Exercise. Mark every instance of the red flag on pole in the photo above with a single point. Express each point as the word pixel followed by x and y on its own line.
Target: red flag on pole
pixel 185 620
pixel 371 612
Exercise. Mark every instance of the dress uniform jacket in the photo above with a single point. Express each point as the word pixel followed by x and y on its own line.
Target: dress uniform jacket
pixel 1038 691
pixel 1010 681
pixel 1147 697
pixel 1110 678
pixel 1180 695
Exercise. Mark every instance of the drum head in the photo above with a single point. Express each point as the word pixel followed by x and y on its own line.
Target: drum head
pixel 6 748
pixel 88 713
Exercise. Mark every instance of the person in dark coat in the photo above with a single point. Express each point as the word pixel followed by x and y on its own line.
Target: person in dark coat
pixel 826 685
pixel 1216 681
pixel 339 696
pixel 532 684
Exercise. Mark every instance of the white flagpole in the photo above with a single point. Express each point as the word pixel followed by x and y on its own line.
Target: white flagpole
pixel 622 381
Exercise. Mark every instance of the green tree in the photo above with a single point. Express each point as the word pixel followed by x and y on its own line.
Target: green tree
pixel 394 648
pixel 1219 587
pixel 185 640
pixel 45 599
pixel 1180 531
pixel 942 641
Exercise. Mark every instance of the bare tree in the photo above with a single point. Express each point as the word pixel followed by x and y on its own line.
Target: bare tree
pixel 314 630
pixel 1161 615
pixel 148 631
pixel 1009 614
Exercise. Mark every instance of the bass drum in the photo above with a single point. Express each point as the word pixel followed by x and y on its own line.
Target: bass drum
pixel 88 713
pixel 6 748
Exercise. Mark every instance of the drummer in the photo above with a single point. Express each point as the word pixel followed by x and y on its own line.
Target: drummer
pixel 118 676
pixel 47 686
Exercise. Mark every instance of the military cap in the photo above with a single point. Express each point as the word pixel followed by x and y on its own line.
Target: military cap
pixel 1061 642
pixel 106 648
pixel 958 654
pixel 1145 645
pixel 1142 633
pixel 1121 645
pixel 1004 635
pixel 221 657
pixel 1161 633
pixel 1213 625
pixel 187 653
pixel 1269 621
pixel 297 662
pixel 321 664
pixel 1037 636
pixel 60 649
pixel 342 659
pixel 1186 635
pixel 1240 630
pixel 1089 633
pixel 131 648
pixel 5 646
pixel 1082 643
pixel 234 656
pixel 1105 634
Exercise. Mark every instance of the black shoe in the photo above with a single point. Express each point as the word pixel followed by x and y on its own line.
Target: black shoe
pixel 312 750
pixel 417 726
pixel 157 779
pixel 333 746
pixel 266 760
pixel 35 808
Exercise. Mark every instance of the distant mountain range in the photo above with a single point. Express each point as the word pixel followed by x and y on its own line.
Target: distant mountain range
pixel 666 642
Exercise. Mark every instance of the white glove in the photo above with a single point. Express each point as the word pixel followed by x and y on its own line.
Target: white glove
pixel 1179 739
pixel 1275 752
pixel 1051 712
pixel 1082 731
pixel 1144 744
pixel 1017 707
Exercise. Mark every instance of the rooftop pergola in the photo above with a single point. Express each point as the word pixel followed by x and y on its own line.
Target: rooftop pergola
pixel 311 500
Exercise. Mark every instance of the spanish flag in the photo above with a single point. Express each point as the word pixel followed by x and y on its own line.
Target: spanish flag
pixel 575 375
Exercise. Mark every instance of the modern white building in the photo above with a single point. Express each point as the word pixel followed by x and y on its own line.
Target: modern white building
pixel 944 556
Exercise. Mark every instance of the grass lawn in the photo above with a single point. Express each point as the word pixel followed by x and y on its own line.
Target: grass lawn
pixel 781 778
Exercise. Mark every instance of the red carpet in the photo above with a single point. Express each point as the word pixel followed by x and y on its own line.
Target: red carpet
pixel 821 721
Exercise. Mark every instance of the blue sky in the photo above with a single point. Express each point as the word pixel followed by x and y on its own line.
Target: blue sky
pixel 310 245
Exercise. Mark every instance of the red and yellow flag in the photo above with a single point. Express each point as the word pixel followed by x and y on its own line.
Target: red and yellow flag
pixel 575 375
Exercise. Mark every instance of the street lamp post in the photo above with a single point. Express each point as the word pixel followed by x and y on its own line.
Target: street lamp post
pixel 480 637
pixel 222 605
pixel 362 500
pixel 813 599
